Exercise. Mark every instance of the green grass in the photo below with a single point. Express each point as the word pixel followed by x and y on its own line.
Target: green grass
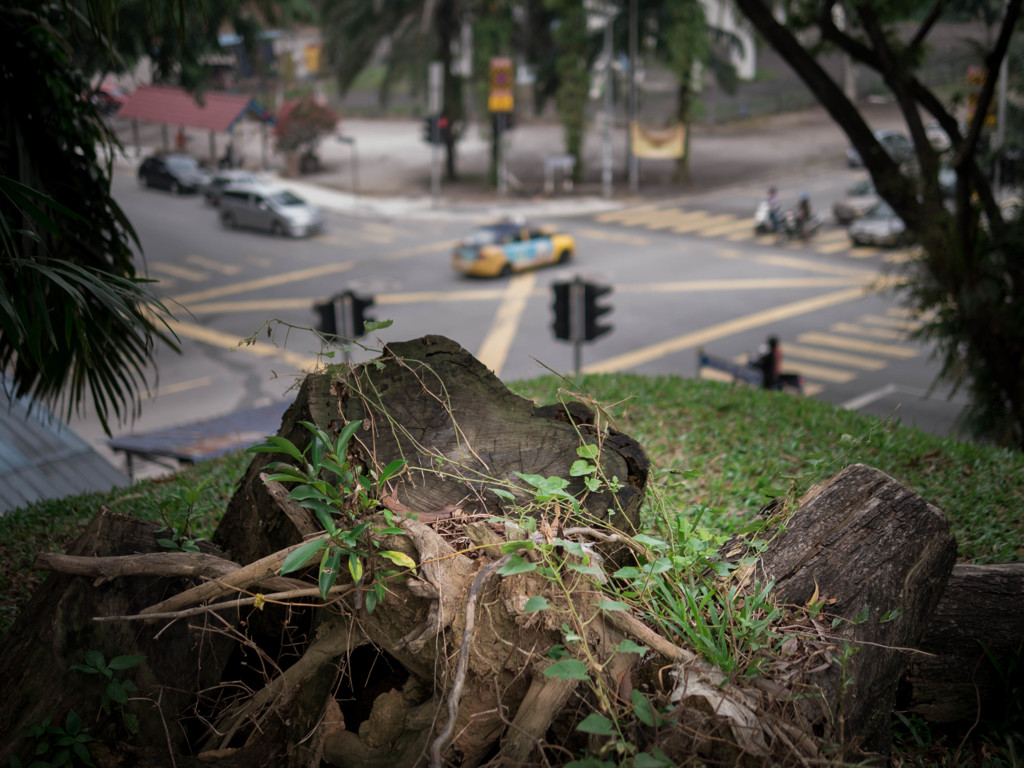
pixel 721 448
pixel 717 451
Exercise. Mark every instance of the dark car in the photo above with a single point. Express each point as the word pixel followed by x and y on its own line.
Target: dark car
pixel 177 173
pixel 898 145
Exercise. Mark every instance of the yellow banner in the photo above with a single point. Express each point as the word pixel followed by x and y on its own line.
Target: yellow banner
pixel 658 144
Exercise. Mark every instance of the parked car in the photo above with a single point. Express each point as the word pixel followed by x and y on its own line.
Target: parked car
pixel 880 226
pixel 510 246
pixel 108 100
pixel 859 199
pixel 225 178
pixel 898 145
pixel 177 173
pixel 269 208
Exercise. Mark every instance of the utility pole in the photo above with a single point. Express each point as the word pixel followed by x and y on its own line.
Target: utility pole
pixel 634 163
pixel 435 106
pixel 606 166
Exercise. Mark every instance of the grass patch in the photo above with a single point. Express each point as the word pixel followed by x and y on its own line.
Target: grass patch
pixel 717 450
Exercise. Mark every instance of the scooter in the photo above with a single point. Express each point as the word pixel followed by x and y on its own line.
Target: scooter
pixel 791 229
pixel 763 224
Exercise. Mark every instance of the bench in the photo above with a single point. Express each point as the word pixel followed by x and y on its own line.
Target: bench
pixel 200 440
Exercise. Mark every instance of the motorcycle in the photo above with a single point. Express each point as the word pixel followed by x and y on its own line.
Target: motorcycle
pixel 788 225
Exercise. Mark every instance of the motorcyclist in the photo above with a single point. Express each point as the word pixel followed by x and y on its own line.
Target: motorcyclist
pixel 774 209
pixel 803 215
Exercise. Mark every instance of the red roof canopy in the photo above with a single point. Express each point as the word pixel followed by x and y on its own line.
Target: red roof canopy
pixel 175 106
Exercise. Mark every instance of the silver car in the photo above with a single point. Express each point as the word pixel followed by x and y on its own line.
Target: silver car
pixel 880 226
pixel 269 208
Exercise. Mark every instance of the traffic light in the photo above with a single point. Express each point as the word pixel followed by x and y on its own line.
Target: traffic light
pixel 327 324
pixel 357 306
pixel 431 129
pixel 562 325
pixel 592 312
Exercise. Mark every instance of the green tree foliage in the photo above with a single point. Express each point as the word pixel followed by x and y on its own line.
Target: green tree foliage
pixel 968 285
pixel 77 323
pixel 408 35
pixel 572 70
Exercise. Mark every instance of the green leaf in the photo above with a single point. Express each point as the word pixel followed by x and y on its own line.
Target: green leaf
pixel 567 669
pixel 355 567
pixel 399 558
pixel 536 603
pixel 515 565
pixel 588 451
pixel 613 605
pixel 125 662
pixel 301 556
pixel 580 468
pixel 630 646
pixel 278 444
pixel 116 692
pixel 590 570
pixel 376 325
pixel 329 564
pixel 642 708
pixel 516 546
pixel 501 493
pixel 598 724
pixel 341 444
pixel 392 469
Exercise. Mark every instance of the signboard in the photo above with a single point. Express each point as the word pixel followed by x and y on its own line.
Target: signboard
pixel 502 80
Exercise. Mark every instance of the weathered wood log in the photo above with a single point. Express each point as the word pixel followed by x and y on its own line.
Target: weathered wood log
pixel 873 558
pixel 462 431
pixel 972 646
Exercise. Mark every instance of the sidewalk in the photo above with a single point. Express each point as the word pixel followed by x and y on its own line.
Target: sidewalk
pixel 384 168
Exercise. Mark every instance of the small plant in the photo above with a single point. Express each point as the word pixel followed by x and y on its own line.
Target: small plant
pixel 58 746
pixel 181 538
pixel 332 486
pixel 116 689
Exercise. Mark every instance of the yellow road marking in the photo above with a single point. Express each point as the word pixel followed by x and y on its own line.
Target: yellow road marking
pixel 185 274
pixel 810 390
pixel 836 235
pixel 831 375
pixel 830 356
pixel 728 328
pixel 813 266
pixel 738 284
pixel 836 247
pixel 494 349
pixel 214 266
pixel 266 282
pixel 863 252
pixel 709 221
pixel 228 341
pixel 626 213
pixel 613 237
pixel 891 322
pixel 748 234
pixel 678 217
pixel 857 345
pixel 726 228
pixel 861 330
pixel 181 386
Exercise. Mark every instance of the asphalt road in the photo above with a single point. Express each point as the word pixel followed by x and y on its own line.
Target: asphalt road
pixel 686 273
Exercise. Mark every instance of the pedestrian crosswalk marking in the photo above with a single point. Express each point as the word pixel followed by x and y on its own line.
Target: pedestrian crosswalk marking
pixel 671 218
pixel 613 237
pixel 856 345
pixel 726 228
pixel 904 324
pixel 609 217
pixel 831 375
pixel 892 334
pixel 636 217
pixel 821 355
pixel 690 226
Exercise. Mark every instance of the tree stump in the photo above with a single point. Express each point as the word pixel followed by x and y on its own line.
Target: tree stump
pixel 463 432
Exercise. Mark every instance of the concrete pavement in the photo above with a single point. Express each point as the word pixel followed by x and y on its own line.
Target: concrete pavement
pixel 383 168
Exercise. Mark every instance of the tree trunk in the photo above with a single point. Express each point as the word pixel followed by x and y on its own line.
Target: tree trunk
pixel 972 648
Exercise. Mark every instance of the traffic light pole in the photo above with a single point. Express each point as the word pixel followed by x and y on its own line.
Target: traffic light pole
pixel 577 322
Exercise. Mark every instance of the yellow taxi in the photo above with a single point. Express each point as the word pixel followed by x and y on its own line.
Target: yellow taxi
pixel 496 250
